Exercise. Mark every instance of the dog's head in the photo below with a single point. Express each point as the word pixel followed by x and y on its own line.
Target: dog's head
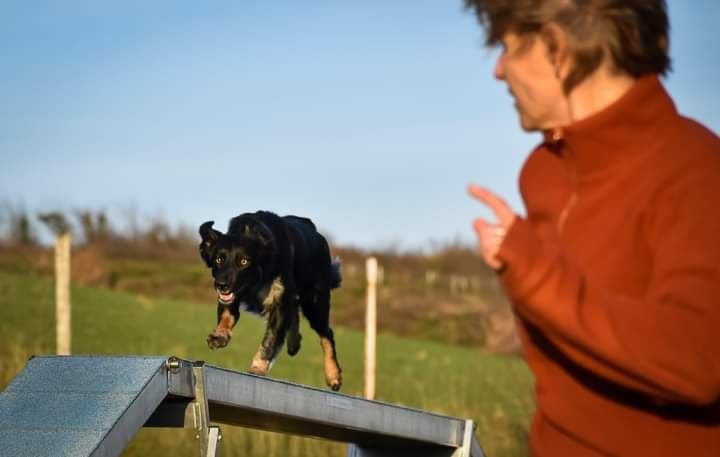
pixel 238 260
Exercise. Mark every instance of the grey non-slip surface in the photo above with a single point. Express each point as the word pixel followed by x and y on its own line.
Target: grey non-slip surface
pixel 69 406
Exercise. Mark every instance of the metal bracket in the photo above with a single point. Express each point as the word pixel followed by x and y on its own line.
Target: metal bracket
pixel 209 436
pixel 187 405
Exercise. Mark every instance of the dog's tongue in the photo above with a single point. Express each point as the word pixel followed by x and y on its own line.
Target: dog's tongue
pixel 226 297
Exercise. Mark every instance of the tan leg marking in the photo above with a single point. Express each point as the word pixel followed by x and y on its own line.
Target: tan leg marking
pixel 220 337
pixel 259 366
pixel 333 373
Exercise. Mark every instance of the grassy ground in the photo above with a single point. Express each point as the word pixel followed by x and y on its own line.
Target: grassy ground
pixel 448 297
pixel 493 390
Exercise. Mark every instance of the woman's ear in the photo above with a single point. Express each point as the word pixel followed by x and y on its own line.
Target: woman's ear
pixel 556 41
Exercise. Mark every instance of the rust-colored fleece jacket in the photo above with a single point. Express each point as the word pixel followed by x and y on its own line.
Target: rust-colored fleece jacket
pixel 615 279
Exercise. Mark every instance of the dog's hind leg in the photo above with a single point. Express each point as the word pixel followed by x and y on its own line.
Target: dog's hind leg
pixel 333 373
pixel 317 312
pixel 294 337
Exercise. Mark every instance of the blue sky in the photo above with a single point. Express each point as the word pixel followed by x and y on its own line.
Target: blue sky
pixel 369 118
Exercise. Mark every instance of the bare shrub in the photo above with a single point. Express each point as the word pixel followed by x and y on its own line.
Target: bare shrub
pixel 17 225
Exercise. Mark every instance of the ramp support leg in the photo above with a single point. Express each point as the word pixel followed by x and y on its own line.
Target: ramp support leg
pixel 213 442
pixel 209 437
pixel 470 447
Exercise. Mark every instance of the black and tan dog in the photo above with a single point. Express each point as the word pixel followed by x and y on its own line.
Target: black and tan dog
pixel 273 266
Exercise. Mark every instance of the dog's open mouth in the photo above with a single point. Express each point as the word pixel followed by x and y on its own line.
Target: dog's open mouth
pixel 226 298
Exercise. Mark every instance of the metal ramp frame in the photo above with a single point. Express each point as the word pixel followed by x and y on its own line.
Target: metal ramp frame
pixel 93 405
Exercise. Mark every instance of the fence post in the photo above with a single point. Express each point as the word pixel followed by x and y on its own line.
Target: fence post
pixel 62 293
pixel 371 268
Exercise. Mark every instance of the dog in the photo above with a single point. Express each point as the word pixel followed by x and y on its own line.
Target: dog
pixel 273 266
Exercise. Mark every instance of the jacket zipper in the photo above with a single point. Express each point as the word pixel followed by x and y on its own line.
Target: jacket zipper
pixel 572 201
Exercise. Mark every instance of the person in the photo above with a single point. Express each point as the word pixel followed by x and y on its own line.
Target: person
pixel 614 272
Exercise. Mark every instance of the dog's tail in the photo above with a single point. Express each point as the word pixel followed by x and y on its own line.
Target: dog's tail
pixel 335 274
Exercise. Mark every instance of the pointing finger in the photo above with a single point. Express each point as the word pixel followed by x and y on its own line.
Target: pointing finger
pixel 497 205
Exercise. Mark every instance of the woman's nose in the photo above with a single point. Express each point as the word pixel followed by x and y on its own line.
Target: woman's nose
pixel 499 72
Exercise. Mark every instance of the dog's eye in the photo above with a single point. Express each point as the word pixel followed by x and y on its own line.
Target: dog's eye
pixel 244 262
pixel 219 260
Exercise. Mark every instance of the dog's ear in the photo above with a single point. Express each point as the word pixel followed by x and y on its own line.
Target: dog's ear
pixel 209 236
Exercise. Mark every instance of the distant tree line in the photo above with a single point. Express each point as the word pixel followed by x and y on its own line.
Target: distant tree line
pixel 157 239
pixel 20 227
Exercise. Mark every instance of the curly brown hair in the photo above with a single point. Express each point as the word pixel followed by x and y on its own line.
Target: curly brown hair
pixel 633 34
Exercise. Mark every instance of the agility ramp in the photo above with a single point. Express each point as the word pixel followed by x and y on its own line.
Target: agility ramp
pixel 79 406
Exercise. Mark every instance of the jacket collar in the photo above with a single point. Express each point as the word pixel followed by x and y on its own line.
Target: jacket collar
pixel 625 128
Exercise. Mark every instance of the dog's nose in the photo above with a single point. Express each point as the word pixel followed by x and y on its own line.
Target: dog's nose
pixel 222 286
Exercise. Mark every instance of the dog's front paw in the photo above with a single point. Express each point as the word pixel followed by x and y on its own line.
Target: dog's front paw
pixel 218 339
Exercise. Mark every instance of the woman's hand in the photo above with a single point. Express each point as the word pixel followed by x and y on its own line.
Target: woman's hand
pixel 490 236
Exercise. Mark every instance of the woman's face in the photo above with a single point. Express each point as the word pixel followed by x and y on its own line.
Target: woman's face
pixel 526 66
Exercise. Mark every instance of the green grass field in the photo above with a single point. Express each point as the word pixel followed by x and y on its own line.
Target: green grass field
pixel 494 390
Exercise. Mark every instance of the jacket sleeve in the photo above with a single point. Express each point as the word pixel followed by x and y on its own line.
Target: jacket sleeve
pixel 665 345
